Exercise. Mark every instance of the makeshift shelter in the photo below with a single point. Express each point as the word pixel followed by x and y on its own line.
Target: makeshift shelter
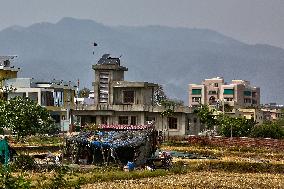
pixel 117 143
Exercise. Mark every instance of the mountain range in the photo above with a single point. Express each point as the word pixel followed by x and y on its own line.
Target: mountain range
pixel 173 57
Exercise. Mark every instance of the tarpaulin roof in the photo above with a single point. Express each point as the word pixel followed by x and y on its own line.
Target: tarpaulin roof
pixel 125 127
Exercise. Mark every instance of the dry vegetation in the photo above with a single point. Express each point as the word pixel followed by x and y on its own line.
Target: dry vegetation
pixel 234 167
pixel 233 153
pixel 202 179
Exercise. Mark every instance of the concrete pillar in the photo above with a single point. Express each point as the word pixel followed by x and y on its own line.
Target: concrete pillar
pixel 142 118
pixel 182 124
pixel 39 97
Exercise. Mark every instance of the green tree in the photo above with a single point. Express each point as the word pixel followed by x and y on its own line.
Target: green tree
pixel 172 103
pixel 206 116
pixel 84 93
pixel 159 95
pixel 25 117
pixel 280 122
pixel 268 130
pixel 239 126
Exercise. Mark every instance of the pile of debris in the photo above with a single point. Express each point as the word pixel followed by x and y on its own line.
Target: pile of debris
pixel 116 146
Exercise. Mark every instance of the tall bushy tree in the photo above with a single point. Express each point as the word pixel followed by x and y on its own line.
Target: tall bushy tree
pixel 25 117
pixel 159 95
pixel 269 130
pixel 206 116
pixel 241 127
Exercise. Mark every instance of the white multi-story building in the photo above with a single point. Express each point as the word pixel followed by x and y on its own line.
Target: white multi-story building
pixel 237 94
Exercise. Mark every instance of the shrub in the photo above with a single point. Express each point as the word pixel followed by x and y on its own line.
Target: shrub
pixel 179 168
pixel 268 131
pixel 59 180
pixel 24 162
pixel 239 167
pixel 7 180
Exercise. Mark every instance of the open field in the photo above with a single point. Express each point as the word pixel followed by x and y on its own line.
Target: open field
pixel 231 167
pixel 251 154
pixel 202 179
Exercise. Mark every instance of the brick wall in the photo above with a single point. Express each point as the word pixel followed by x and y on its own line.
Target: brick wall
pixel 236 141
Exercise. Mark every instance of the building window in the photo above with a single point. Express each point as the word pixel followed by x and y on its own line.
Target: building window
pixel 196 91
pixel 228 91
pixel 196 99
pixel 123 120
pixel 58 98
pixel 212 92
pixel 104 120
pixel 128 96
pixel 188 124
pixel 103 87
pixel 212 100
pixel 247 100
pixel 172 122
pixel 228 99
pixel 215 84
pixel 247 93
pixel 133 120
pixel 148 118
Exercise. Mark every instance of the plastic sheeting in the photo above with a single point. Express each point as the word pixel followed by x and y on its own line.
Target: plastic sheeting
pixel 116 146
pixel 4 151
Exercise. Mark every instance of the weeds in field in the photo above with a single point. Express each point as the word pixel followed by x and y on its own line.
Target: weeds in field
pixel 39 140
pixel 9 181
pixel 60 177
pixel 179 168
pixel 24 162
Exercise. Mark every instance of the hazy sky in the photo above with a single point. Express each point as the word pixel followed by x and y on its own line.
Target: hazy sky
pixel 252 21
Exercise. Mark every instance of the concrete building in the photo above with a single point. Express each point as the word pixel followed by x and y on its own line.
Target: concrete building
pixel 120 102
pixel 273 111
pixel 6 72
pixel 251 113
pixel 214 91
pixel 55 96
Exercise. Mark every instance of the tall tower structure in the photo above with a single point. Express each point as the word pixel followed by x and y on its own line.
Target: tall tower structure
pixel 107 71
pixel 6 70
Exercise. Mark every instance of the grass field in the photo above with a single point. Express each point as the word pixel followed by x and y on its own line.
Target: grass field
pixel 233 167
pixel 232 153
pixel 203 179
